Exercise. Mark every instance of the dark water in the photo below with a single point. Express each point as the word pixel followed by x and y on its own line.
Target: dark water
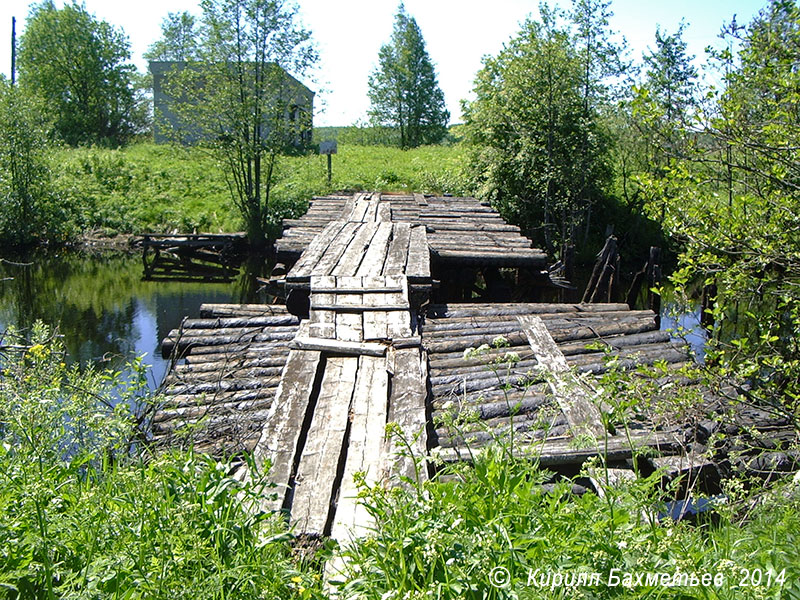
pixel 104 310
pixel 108 314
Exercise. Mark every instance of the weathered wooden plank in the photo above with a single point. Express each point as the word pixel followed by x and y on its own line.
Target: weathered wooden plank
pixel 398 250
pixel 316 473
pixel 330 258
pixel 375 321
pixel 349 325
pixel 384 212
pixel 364 454
pixel 351 258
pixel 282 431
pixel 572 394
pixel 359 308
pixel 418 265
pixel 360 205
pixel 375 256
pixel 407 405
pixel 312 255
pixel 322 322
pixel 398 323
pixel 338 346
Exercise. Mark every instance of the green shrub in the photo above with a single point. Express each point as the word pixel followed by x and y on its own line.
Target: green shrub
pixel 86 514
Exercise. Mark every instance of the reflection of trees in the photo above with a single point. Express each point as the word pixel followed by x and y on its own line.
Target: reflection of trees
pixel 93 299
pixel 79 295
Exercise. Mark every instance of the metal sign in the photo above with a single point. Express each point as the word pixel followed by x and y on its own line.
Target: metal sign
pixel 327 147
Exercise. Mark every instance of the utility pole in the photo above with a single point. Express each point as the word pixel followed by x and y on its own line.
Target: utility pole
pixel 13 49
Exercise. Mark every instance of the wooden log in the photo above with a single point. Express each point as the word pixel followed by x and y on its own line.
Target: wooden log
pixel 478 310
pixel 198 411
pixel 213 387
pixel 209 311
pixel 191 342
pixel 560 452
pixel 476 439
pixel 182 400
pixel 615 342
pixel 240 322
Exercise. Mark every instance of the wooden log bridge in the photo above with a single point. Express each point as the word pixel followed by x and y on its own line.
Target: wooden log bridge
pixel 311 387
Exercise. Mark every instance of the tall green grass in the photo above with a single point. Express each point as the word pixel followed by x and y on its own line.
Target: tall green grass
pixel 87 510
pixel 163 188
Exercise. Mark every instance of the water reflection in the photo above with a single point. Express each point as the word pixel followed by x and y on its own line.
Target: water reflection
pixel 683 322
pixel 103 308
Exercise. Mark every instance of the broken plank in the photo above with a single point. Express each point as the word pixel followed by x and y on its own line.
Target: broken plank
pixel 572 394
pixel 279 441
pixel 316 473
pixel 407 408
pixel 364 453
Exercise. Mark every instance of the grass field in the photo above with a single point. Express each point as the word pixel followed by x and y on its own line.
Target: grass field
pixel 164 188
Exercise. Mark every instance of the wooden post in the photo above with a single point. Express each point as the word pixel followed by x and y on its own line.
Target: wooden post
pixel 602 269
pixel 653 279
pixel 328 148
pixel 329 169
pixel 13 49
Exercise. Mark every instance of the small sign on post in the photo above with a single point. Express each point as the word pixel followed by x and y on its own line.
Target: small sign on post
pixel 328 148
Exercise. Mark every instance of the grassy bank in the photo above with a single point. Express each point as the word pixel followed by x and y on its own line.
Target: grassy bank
pixel 162 188
pixel 85 514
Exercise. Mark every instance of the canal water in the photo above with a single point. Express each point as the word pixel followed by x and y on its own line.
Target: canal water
pixel 103 309
pixel 107 314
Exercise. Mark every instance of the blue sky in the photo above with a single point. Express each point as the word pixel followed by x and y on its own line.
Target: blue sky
pixel 458 34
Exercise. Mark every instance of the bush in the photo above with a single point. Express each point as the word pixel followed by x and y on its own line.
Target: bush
pixel 87 513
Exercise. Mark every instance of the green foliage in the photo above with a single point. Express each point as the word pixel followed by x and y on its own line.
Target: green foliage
pixel 540 153
pixel 178 39
pixel 403 91
pixel 77 66
pixel 30 210
pixel 459 536
pixel 237 99
pixel 736 208
pixel 490 529
pixel 81 517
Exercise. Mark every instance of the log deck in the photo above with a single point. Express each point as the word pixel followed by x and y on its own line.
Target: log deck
pixel 312 393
